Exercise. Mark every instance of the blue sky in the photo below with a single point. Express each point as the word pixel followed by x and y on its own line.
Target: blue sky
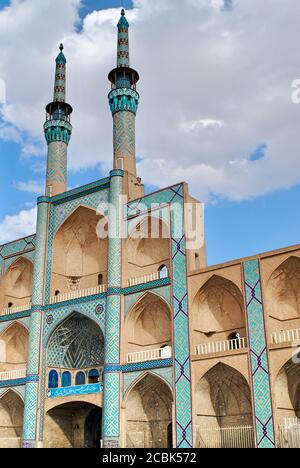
pixel 233 228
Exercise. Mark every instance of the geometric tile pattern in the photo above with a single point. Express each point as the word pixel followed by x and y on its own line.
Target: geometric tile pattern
pixel 159 363
pixel 258 356
pixel 124 134
pixel 123 42
pixel 111 413
pixel 57 163
pixel 182 371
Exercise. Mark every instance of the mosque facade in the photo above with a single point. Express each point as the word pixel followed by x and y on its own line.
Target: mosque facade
pixel 114 331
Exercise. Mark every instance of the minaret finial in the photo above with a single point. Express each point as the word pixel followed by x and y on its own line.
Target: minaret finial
pixel 123 12
pixel 61 47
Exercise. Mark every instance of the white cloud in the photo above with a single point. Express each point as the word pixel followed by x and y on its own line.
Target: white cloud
pixel 215 84
pixel 31 186
pixel 17 226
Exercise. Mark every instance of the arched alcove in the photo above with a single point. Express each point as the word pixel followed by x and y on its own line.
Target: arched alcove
pixel 222 400
pixel 73 425
pixel 76 344
pixel 79 255
pixel 13 347
pixel 11 420
pixel 16 285
pixel 283 290
pixel 149 414
pixel 148 325
pixel 218 311
pixel 148 247
pixel 287 391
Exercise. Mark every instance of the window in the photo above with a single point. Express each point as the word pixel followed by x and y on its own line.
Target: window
pixel 10 305
pixel 53 379
pixel 235 338
pixel 57 292
pixel 66 379
pixel 80 378
pixel 164 272
pixel 100 280
pixel 93 376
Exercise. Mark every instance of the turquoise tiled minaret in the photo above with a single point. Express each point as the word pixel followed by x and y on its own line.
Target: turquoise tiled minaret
pixel 123 100
pixel 58 131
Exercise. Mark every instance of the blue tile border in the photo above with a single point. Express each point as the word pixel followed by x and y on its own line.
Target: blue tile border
pixel 13 383
pixel 139 366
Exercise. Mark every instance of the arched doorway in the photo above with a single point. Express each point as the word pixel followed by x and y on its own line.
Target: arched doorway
pixel 223 409
pixel 11 420
pixel 73 425
pixel 93 429
pixel 149 414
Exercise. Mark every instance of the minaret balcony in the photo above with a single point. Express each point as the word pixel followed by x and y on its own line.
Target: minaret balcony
pixel 57 130
pixel 123 99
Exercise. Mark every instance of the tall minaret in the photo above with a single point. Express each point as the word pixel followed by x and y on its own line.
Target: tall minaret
pixel 58 130
pixel 123 100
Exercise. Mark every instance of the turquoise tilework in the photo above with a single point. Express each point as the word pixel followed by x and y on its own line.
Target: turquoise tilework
pixel 258 356
pixel 182 369
pixel 12 251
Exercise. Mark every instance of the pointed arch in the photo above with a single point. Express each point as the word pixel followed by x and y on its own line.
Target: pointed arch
pixel 141 377
pixel 287 390
pixel 16 284
pixel 142 332
pixel 76 343
pixel 148 246
pixel 218 307
pixel 223 399
pixel 79 253
pixel 13 346
pixel 283 290
pixel 148 413
pixel 11 419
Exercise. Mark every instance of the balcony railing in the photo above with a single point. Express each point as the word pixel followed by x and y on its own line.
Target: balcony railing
pixel 145 279
pixel 13 375
pixel 15 309
pixel 225 437
pixel 150 355
pixel 285 336
pixel 221 346
pixel 78 294
pixel 289 433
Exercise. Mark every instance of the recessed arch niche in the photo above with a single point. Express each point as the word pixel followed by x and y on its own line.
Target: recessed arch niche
pixel 16 284
pixel 11 420
pixel 79 253
pixel 13 347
